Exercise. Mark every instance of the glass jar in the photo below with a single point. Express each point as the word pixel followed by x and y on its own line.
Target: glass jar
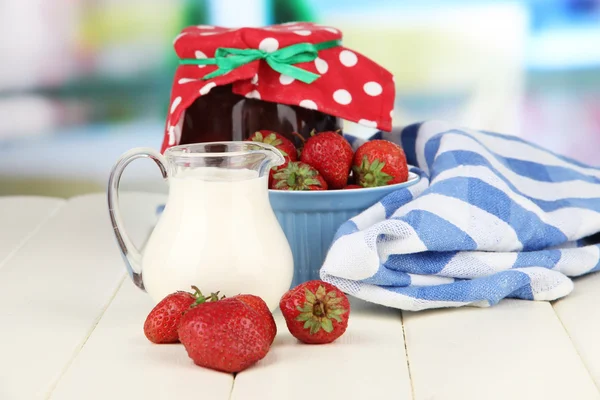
pixel 222 115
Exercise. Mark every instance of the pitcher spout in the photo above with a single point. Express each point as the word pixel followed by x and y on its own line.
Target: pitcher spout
pixel 272 158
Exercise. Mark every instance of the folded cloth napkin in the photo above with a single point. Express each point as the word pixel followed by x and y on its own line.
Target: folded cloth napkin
pixel 492 217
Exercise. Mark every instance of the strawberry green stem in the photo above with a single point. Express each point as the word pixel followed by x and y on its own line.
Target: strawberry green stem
pixel 198 295
pixel 319 309
pixel 299 136
pixel 200 298
pixel 370 174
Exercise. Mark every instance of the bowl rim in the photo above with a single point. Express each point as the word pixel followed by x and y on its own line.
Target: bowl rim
pixel 413 179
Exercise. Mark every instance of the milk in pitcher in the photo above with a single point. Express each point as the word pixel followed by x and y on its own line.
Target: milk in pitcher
pixel 218 231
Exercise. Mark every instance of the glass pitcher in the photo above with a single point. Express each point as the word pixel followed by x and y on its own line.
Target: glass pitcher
pixel 217 231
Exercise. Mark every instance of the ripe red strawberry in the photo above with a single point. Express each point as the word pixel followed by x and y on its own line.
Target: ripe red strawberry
pixel 298 176
pixel 283 144
pixel 226 335
pixel 315 312
pixel 161 324
pixel 379 163
pixel 331 155
pixel 261 308
pixel 348 187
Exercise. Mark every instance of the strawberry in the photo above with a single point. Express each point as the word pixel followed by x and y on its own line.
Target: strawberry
pixel 261 308
pixel 283 144
pixel 331 155
pixel 226 335
pixel 315 312
pixel 161 324
pixel 379 163
pixel 298 176
pixel 349 187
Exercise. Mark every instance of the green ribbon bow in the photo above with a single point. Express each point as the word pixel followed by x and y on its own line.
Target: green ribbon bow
pixel 282 60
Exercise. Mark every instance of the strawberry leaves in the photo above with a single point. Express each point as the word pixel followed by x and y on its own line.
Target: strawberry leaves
pixel 298 176
pixel 327 325
pixel 370 174
pixel 319 309
pixel 270 139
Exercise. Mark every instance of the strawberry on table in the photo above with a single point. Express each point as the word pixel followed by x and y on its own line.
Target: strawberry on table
pixel 161 323
pixel 331 155
pixel 226 335
pixel 315 312
pixel 261 308
pixel 298 176
pixel 379 163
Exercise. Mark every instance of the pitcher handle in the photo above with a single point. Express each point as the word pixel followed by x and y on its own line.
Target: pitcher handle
pixel 131 254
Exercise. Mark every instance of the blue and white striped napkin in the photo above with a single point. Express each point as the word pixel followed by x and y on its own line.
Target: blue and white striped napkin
pixel 492 217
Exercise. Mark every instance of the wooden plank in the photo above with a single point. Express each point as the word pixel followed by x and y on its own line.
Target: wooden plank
pixel 21 216
pixel 118 362
pixel 367 362
pixel 515 350
pixel 55 288
pixel 580 317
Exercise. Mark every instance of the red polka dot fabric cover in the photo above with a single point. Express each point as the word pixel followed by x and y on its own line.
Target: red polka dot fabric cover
pixel 350 86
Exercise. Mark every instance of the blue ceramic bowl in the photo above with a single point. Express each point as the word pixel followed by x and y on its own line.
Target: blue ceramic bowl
pixel 311 219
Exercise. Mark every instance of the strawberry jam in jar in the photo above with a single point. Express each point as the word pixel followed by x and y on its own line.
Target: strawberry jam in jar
pixel 222 115
pixel 291 78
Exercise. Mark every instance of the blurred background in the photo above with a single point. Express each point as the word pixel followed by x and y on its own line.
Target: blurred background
pixel 81 81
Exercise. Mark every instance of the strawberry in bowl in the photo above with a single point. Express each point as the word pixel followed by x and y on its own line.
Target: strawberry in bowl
pixel 379 163
pixel 331 155
pixel 298 176
pixel 281 143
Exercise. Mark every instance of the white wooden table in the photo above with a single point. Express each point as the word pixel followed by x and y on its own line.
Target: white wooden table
pixel 71 329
